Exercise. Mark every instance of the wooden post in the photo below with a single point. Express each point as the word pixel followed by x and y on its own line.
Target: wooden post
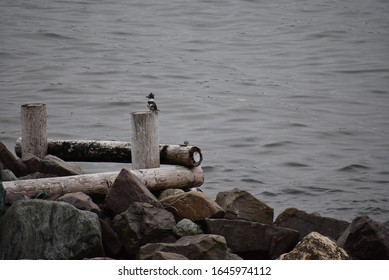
pixel 144 140
pixel 34 129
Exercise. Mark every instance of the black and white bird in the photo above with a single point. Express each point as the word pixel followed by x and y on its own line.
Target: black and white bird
pixel 151 103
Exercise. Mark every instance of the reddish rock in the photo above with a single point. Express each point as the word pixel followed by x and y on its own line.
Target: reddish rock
pixel 306 223
pixel 127 189
pixel 80 201
pixel 195 247
pixel 194 206
pixel 315 246
pixel 142 223
pixel 366 239
pixel 239 204
pixel 254 239
pixel 33 163
pixel 36 175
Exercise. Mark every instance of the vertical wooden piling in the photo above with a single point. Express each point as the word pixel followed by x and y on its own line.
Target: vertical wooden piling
pixel 34 129
pixel 144 140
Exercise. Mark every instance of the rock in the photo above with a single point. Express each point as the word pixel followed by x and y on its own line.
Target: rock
pixel 54 165
pixel 127 189
pixel 186 227
pixel 111 242
pixel 252 239
pixel 195 247
pixel 315 246
pixel 8 161
pixel 80 201
pixel 2 198
pixel 306 223
pixel 240 204
pixel 169 192
pixel 7 175
pixel 366 239
pixel 33 163
pixel 52 230
pixel 194 206
pixel 160 255
pixel 142 223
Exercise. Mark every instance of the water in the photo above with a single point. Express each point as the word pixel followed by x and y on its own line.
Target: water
pixel 287 99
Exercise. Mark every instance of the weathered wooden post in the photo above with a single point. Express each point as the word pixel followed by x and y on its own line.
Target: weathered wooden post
pixel 34 129
pixel 144 140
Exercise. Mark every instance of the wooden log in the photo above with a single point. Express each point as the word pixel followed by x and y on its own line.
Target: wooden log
pixel 144 140
pixel 155 179
pixel 34 129
pixel 116 151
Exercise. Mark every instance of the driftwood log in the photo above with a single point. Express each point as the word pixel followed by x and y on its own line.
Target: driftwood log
pixel 116 151
pixel 155 179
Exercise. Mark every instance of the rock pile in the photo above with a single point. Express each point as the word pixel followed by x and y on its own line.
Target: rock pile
pixel 130 222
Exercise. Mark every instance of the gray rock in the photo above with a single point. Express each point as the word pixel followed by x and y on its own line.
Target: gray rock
pixel 169 192
pixel 160 255
pixel 127 189
pixel 195 247
pixel 254 239
pixel 80 201
pixel 366 239
pixel 7 175
pixel 142 223
pixel 2 198
pixel 9 161
pixel 306 223
pixel 39 229
pixel 54 165
pixel 315 246
pixel 186 227
pixel 239 204
pixel 111 242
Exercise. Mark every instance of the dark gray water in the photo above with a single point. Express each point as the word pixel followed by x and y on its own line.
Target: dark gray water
pixel 288 99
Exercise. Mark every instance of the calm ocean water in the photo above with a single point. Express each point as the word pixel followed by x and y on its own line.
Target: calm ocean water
pixel 288 99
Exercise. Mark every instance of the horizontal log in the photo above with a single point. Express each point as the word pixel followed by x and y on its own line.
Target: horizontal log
pixel 155 179
pixel 116 151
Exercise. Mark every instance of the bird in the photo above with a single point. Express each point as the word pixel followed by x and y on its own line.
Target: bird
pixel 151 103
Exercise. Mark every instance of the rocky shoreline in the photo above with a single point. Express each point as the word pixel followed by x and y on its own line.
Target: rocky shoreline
pixel 131 222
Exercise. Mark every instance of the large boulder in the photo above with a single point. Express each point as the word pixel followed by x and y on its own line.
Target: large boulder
pixel 366 239
pixel 240 204
pixel 81 201
pixel 194 206
pixel 306 223
pixel 142 223
pixel 39 229
pixel 54 165
pixel 195 247
pixel 254 240
pixel 126 189
pixel 315 246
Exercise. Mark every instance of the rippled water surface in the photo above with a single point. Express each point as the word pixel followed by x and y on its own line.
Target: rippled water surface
pixel 287 99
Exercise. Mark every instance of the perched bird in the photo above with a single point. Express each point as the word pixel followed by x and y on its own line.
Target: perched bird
pixel 151 103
